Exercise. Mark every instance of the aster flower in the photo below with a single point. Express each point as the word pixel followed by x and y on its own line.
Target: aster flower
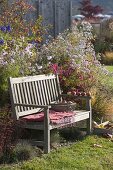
pixel 8 28
pixel 3 28
pixel 1 41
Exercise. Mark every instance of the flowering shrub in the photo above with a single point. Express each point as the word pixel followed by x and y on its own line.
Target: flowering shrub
pixel 15 14
pixel 19 41
pixel 72 56
pixel 16 58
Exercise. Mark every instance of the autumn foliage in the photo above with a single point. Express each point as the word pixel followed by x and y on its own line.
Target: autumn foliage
pixel 89 10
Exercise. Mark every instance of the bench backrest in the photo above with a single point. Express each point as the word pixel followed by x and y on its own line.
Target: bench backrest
pixel 39 90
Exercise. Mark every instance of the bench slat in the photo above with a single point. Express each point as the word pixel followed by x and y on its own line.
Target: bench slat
pixel 48 91
pixel 25 95
pixel 40 93
pixel 22 94
pixel 31 93
pixel 51 90
pixel 34 93
pixel 43 92
pixel 28 94
pixel 16 96
pixel 55 88
pixel 37 93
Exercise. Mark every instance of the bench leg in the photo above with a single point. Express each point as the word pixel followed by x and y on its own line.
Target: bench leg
pixel 46 132
pixel 89 120
pixel 89 124
pixel 46 141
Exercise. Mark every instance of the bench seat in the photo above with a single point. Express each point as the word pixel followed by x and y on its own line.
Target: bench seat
pixel 57 119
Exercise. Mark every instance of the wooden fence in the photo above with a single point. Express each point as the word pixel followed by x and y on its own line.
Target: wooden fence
pixel 56 13
pixel 102 28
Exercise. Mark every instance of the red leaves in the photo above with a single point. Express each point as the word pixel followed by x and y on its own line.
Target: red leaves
pixel 89 10
pixel 7 131
pixel 54 68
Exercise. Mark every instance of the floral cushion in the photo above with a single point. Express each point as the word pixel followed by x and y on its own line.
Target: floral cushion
pixel 55 117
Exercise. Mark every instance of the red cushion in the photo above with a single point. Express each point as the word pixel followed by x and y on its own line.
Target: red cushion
pixel 55 117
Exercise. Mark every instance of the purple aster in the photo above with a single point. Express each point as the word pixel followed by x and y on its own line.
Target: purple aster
pixel 1 42
pixel 8 28
pixel 33 42
pixel 3 28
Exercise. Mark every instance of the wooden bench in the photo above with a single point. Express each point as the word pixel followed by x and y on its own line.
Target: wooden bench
pixel 35 94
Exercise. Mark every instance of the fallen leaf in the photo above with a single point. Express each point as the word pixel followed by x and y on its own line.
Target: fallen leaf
pixel 97 145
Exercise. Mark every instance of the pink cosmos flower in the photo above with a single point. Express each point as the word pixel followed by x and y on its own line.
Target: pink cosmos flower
pixel 54 68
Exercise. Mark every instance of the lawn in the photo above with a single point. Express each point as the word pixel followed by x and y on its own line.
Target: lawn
pixel 109 68
pixel 82 155
pixel 110 79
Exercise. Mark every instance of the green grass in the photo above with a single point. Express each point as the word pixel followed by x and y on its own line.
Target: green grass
pixel 109 68
pixel 81 155
pixel 109 79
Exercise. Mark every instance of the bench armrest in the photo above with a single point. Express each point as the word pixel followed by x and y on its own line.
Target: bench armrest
pixel 45 107
pixel 87 99
pixel 74 96
pixel 33 105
